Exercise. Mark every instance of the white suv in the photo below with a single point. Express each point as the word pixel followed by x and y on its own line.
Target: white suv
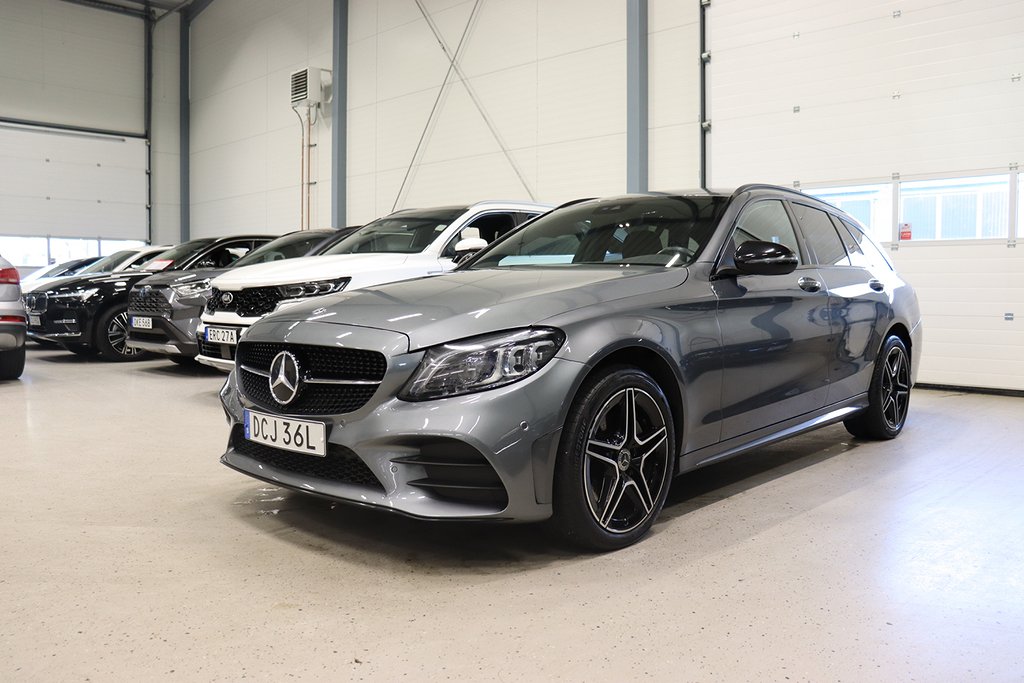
pixel 401 246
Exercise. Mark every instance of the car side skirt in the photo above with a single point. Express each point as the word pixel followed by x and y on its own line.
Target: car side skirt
pixel 837 412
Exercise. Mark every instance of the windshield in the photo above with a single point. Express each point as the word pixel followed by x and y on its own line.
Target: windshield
pixel 182 251
pixel 108 263
pixel 289 246
pixel 653 231
pixel 409 232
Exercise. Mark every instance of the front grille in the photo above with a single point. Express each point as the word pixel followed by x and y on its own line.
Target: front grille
pixel 321 362
pixel 315 363
pixel 215 349
pixel 36 301
pixel 149 300
pixel 340 464
pixel 252 302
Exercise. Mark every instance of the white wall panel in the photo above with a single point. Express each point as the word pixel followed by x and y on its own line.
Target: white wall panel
pixel 549 77
pixel 245 137
pixel 71 65
pixel 71 184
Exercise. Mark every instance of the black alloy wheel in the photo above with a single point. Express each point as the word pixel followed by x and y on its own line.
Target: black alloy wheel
pixel 615 464
pixel 888 395
pixel 112 336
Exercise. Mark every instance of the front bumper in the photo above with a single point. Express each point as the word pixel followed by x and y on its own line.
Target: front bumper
pixel 59 322
pixel 172 323
pixel 488 455
pixel 218 354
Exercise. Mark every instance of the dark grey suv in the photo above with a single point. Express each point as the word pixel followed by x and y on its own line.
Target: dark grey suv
pixel 573 368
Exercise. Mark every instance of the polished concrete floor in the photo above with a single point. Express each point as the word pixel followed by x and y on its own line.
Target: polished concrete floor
pixel 130 553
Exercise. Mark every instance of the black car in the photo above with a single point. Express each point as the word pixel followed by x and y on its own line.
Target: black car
pixel 89 315
pixel 164 309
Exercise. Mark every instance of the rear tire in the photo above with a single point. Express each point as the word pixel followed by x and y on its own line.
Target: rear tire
pixel 615 462
pixel 888 395
pixel 12 363
pixel 112 336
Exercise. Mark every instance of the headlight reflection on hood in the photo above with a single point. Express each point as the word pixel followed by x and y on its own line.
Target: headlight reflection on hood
pixel 480 363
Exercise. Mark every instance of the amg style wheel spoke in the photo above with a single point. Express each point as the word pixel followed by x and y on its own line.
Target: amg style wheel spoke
pixel 625 460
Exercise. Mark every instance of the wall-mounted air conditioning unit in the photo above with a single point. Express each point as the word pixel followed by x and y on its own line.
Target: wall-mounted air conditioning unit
pixel 306 87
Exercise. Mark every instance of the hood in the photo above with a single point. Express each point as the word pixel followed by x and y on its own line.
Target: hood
pixel 463 304
pixel 307 268
pixel 99 280
pixel 175 277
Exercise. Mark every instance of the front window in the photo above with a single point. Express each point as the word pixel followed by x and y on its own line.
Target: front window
pixel 647 231
pixel 108 263
pixel 178 253
pixel 286 247
pixel 403 233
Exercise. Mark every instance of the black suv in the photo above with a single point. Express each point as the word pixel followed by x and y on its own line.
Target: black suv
pixel 89 315
pixel 164 309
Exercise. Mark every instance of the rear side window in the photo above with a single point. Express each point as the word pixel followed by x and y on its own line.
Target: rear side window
pixel 766 221
pixel 873 256
pixel 821 235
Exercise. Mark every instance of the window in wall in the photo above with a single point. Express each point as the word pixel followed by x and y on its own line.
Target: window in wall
pixel 1020 205
pixel 108 247
pixel 66 248
pixel 24 251
pixel 871 205
pixel 956 208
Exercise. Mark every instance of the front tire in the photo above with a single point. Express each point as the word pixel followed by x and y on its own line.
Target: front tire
pixel 888 395
pixel 112 336
pixel 12 363
pixel 615 461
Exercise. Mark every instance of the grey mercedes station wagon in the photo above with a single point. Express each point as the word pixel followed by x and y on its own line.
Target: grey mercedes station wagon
pixel 571 369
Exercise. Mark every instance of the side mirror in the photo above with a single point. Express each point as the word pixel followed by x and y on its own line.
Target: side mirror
pixel 765 258
pixel 469 245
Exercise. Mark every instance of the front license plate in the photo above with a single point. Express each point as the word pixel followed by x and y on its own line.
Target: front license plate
pixel 222 335
pixel 34 320
pixel 300 436
pixel 140 323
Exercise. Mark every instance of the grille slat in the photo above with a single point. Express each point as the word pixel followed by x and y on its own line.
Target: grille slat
pixel 252 302
pixel 148 300
pixel 215 349
pixel 36 301
pixel 340 464
pixel 315 362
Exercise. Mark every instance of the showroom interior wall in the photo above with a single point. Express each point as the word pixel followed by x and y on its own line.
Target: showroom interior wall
pixel 76 67
pixel 245 139
pixel 841 94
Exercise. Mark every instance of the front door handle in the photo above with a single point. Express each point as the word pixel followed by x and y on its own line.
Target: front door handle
pixel 809 284
pixel 876 285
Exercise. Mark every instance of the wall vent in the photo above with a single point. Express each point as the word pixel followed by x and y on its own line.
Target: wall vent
pixel 305 87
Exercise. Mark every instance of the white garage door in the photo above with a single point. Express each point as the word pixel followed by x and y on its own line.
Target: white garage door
pixel 71 184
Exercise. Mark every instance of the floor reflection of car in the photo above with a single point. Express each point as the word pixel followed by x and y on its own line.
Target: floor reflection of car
pixel 164 309
pixel 12 322
pixel 572 369
pixel 89 315
pixel 406 244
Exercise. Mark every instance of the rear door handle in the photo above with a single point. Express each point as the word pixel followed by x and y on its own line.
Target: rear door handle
pixel 809 284
pixel 876 285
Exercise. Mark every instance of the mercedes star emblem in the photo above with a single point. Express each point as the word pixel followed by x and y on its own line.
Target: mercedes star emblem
pixel 227 297
pixel 284 378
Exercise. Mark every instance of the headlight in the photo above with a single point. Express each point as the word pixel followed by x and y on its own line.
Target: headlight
pixel 81 295
pixel 479 363
pixel 190 289
pixel 304 289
